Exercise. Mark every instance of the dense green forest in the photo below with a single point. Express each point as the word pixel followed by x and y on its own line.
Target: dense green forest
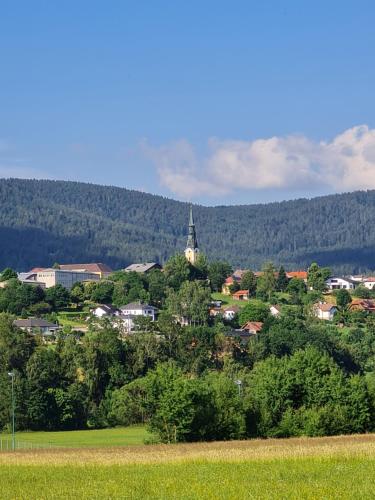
pixel 42 222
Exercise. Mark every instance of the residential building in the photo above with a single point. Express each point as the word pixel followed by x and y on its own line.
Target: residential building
pixel 338 283
pixel 133 310
pixel 301 275
pixel 241 295
pixel 368 282
pixel 366 305
pixel 143 268
pixel 102 270
pixel 37 326
pixel 105 310
pixel 192 250
pixel 230 312
pixel 325 311
pixel 252 327
pixel 275 310
pixel 53 277
pixel 225 290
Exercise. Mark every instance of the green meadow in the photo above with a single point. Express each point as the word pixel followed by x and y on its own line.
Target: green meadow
pixel 314 468
pixel 118 436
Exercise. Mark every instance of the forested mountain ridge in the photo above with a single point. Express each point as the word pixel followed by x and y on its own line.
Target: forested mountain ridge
pixel 42 222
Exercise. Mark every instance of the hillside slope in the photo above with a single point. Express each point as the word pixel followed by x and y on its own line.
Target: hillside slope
pixel 42 222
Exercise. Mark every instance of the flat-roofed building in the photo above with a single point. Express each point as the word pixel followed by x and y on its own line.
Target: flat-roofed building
pixel 53 277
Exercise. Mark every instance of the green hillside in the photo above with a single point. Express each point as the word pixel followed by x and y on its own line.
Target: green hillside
pixel 42 222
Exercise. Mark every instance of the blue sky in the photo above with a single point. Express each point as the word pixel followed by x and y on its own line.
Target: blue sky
pixel 213 101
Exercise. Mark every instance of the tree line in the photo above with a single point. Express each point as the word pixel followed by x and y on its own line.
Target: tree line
pixel 70 221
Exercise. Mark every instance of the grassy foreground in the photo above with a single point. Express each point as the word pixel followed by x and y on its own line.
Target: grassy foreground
pixel 340 467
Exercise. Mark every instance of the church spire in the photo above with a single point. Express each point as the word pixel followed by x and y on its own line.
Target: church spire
pixel 192 250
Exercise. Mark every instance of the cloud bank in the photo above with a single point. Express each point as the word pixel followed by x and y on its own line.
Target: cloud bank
pixel 292 162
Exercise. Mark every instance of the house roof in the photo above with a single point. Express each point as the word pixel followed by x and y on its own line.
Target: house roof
pixel 107 307
pixel 231 308
pixel 252 326
pixel 344 278
pixel 240 292
pixel 36 270
pixel 136 306
pixel 370 279
pixel 142 267
pixel 94 267
pixel 325 307
pixel 302 275
pixel 364 304
pixel 34 322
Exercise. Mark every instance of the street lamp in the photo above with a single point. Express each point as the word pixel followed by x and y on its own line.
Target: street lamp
pixel 11 375
pixel 239 384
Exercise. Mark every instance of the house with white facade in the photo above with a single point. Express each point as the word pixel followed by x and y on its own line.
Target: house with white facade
pixel 338 283
pixel 275 310
pixel 130 312
pixel 230 312
pixel 105 310
pixel 325 311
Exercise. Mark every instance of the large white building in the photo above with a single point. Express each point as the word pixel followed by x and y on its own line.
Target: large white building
pixel 53 277
pixel 337 283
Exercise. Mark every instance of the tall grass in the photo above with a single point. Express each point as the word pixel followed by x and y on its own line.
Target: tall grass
pixel 340 467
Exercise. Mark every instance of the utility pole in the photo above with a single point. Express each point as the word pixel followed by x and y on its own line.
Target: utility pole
pixel 11 375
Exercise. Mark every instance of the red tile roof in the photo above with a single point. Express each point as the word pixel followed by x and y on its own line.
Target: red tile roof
pixel 302 275
pixel 253 326
pixel 240 292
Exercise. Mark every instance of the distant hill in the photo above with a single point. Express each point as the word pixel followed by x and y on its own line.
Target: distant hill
pixel 42 222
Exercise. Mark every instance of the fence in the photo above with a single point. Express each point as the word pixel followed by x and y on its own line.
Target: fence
pixel 7 445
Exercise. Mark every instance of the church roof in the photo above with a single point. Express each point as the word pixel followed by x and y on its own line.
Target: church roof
pixel 192 241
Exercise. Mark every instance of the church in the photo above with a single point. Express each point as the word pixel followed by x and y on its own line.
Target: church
pixel 192 250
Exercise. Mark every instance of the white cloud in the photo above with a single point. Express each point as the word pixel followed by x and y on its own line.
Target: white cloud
pixel 288 163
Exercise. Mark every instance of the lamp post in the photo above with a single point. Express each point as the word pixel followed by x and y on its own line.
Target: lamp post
pixel 11 375
pixel 239 385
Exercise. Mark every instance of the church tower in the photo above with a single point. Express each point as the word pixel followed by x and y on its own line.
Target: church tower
pixel 192 250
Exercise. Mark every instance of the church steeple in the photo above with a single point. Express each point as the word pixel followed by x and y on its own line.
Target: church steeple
pixel 192 249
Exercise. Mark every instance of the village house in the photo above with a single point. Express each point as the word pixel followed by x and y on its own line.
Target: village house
pixel 252 327
pixel 230 312
pixel 225 290
pixel 241 295
pixel 275 310
pixel 366 305
pixel 301 275
pixel 37 326
pixel 105 310
pixel 130 312
pixel 325 311
pixel 337 283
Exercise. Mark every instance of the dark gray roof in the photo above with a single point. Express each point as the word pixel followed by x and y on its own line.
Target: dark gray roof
pixel 108 308
pixel 142 267
pixel 34 323
pixel 137 305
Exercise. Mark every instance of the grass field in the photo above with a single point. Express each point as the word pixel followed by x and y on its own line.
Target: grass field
pixel 340 467
pixel 119 436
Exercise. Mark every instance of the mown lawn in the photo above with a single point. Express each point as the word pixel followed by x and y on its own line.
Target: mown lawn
pixel 119 436
pixel 327 468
